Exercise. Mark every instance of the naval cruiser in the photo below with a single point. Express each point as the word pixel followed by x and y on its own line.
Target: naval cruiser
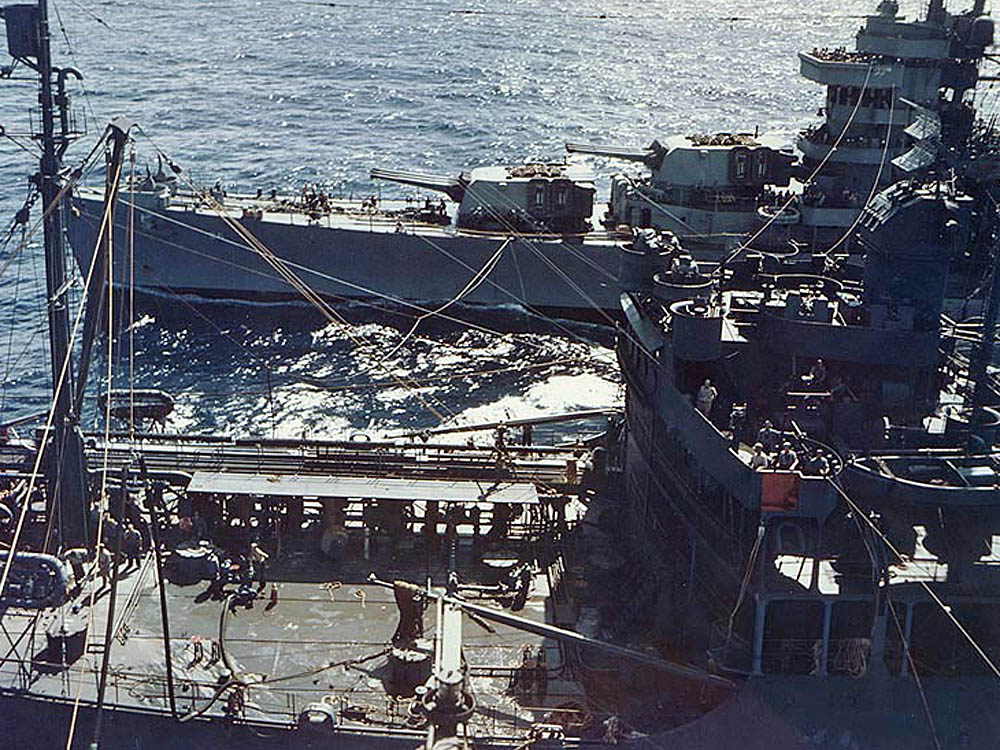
pixel 812 488
pixel 508 236
pixel 899 105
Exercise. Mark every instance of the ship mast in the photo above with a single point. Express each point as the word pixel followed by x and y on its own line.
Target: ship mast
pixel 935 11
pixel 983 357
pixel 29 43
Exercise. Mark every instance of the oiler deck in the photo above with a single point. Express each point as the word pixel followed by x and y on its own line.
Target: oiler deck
pixel 319 631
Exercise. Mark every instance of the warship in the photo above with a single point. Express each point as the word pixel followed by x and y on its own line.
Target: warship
pixel 530 235
pixel 903 96
pixel 810 466
pixel 788 541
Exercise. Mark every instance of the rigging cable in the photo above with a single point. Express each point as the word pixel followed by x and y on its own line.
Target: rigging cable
pixel 46 433
pixel 547 261
pixel 930 591
pixel 103 504
pixel 554 267
pixel 93 15
pixel 875 183
pixel 311 296
pixel 791 199
pixel 10 334
pixel 916 675
pixel 751 564
pixel 474 283
pixel 131 295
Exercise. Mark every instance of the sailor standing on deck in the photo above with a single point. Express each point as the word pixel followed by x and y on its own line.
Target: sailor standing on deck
pixel 768 436
pixel 737 420
pixel 706 396
pixel 132 546
pixel 684 267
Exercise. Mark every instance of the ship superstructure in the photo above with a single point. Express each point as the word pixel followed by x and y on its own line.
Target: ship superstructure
pixel 900 105
pixel 822 478
pixel 898 70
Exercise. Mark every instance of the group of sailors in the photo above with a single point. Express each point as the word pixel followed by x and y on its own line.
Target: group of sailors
pixel 218 192
pixel 530 678
pixel 315 201
pixel 311 200
pixel 125 519
pixel 842 54
pixel 821 135
pixel 236 541
pixel 774 450
pixel 435 209
pixel 241 559
pixel 684 267
pixel 813 195
pixel 770 197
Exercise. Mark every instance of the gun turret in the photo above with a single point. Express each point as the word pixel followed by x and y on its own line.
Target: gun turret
pixel 453 187
pixel 530 198
pixel 651 157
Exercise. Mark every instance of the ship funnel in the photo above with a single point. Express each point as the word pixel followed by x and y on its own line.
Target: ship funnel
pixel 453 187
pixel 651 156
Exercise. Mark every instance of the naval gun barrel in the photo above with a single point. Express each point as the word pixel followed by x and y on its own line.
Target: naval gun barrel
pixel 649 156
pixel 453 187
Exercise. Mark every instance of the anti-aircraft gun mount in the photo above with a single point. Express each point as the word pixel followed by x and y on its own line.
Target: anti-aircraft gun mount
pixel 533 199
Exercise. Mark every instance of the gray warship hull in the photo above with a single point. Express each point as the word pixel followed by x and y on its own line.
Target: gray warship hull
pixel 349 255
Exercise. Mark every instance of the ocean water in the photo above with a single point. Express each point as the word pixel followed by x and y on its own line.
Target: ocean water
pixel 277 93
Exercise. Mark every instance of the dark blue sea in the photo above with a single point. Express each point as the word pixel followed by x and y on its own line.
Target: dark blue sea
pixel 278 93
